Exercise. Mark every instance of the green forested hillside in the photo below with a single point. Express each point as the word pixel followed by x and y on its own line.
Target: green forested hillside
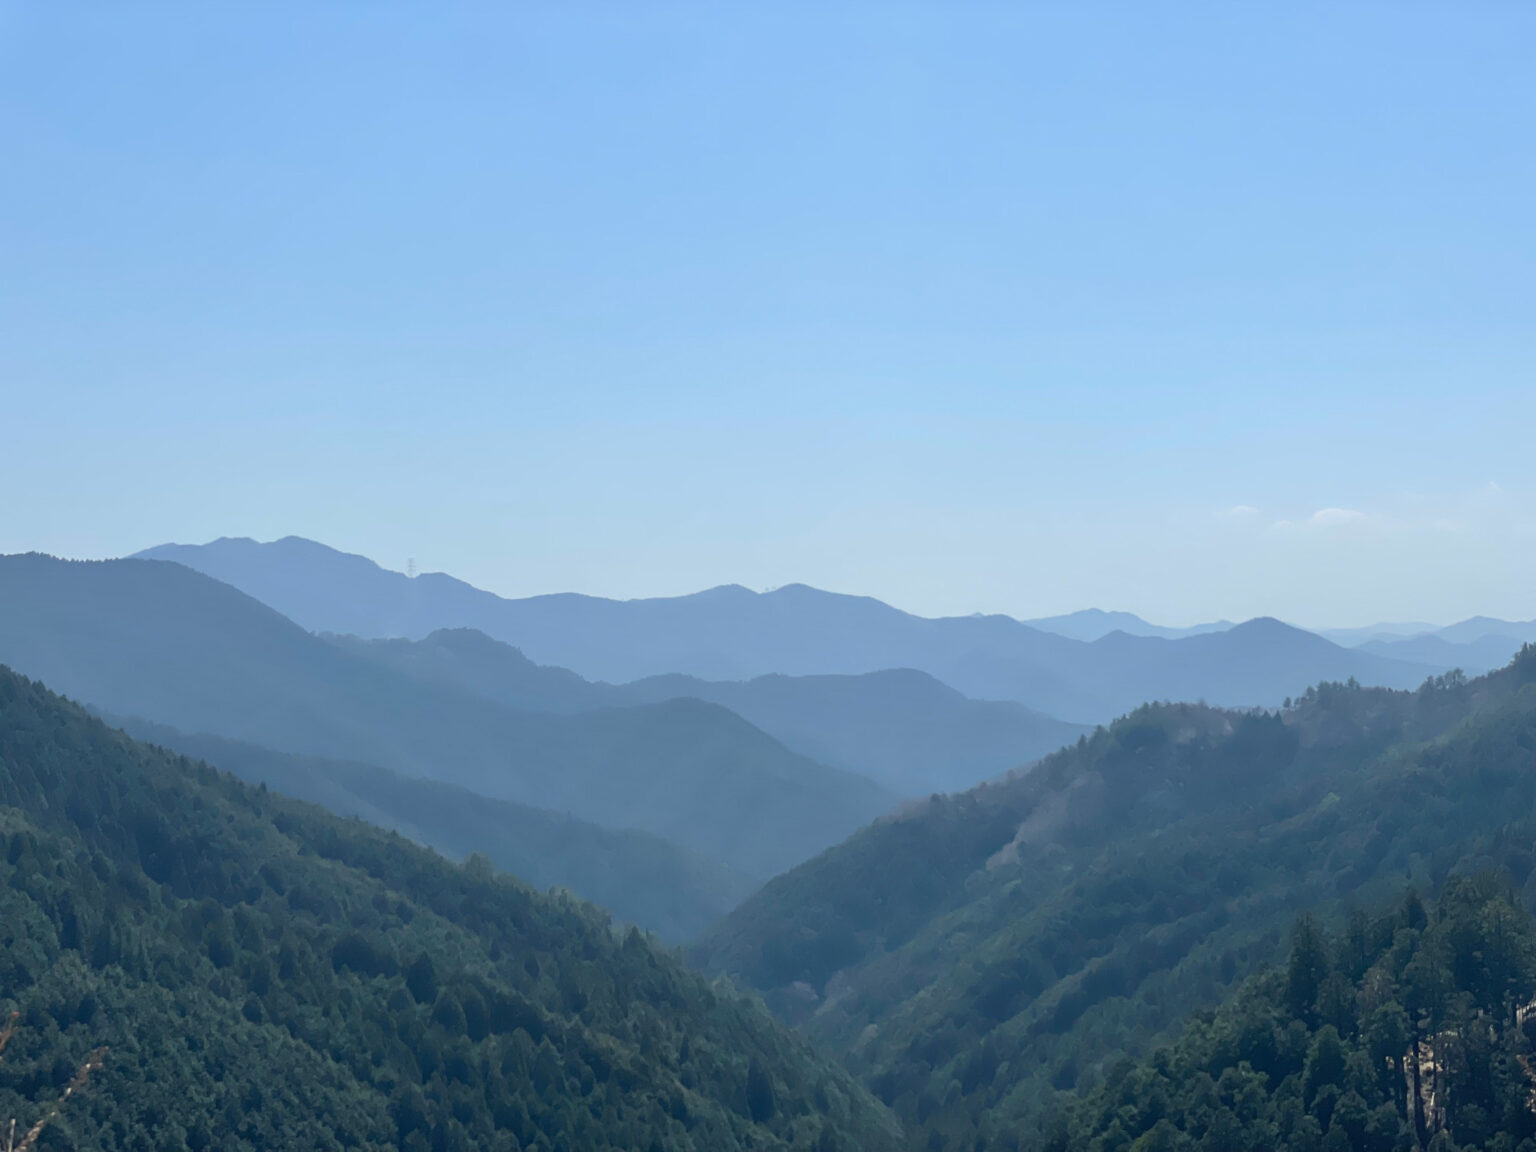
pixel 267 975
pixel 641 879
pixel 977 956
pixel 1412 1029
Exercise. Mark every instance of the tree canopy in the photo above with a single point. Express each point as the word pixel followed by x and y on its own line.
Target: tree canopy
pixel 267 975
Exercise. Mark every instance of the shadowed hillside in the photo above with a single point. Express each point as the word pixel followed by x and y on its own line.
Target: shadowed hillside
pixel 640 878
pixel 981 953
pixel 901 728
pixel 157 640
pixel 266 975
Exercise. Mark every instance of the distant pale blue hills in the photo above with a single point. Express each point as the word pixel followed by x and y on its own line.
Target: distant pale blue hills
pixel 1095 623
pixel 660 755
pixel 1085 667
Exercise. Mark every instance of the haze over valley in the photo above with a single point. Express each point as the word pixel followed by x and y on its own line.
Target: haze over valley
pixel 770 578
pixel 935 888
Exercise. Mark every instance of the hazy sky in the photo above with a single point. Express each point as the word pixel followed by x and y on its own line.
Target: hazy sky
pixel 1191 309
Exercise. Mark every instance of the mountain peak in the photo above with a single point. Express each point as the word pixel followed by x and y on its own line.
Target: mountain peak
pixel 1091 624
pixel 720 592
pixel 1264 624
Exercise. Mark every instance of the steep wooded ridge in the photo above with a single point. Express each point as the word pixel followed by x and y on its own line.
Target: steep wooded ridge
pixel 160 641
pixel 976 956
pixel 267 975
pixel 1413 1028
pixel 901 728
pixel 640 878
pixel 733 633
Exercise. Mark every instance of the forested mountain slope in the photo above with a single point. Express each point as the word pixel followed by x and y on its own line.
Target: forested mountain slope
pixel 158 640
pixel 640 878
pixel 982 952
pixel 734 633
pixel 1406 1030
pixel 266 975
pixel 901 728
pixel 471 661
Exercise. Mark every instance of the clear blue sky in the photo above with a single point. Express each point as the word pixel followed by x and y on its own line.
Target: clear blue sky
pixel 1191 309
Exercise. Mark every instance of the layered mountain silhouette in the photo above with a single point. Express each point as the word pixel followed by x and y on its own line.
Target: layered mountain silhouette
pixel 1478 627
pixel 1480 654
pixel 1475 645
pixel 262 974
pixel 470 661
pixel 732 633
pixel 160 641
pixel 640 878
pixel 901 727
pixel 976 955
pixel 1093 623
pixel 1385 630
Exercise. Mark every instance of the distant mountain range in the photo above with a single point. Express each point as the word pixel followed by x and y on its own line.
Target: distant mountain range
pixel 1390 630
pixel 901 728
pixel 1481 654
pixel 1478 645
pixel 1480 638
pixel 1481 627
pixel 1095 623
pixel 160 641
pixel 732 633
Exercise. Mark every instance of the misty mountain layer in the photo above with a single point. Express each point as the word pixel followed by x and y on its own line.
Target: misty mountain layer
pixel 158 640
pixel 901 728
pixel 640 878
pixel 265 975
pixel 732 633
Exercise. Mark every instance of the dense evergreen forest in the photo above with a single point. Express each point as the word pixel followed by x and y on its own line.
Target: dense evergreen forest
pixel 266 975
pixel 1409 1030
pixel 641 879
pixel 990 965
pixel 983 955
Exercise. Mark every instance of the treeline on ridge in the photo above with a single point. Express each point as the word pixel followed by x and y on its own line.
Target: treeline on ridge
pixel 269 976
pixel 987 955
pixel 1414 1029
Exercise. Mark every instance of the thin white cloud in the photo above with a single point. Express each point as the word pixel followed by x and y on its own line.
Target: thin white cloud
pixel 1324 520
pixel 1240 512
pixel 1336 517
